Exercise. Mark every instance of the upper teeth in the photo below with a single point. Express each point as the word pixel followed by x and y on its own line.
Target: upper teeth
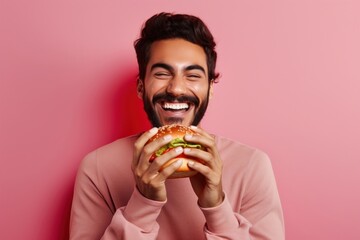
pixel 176 106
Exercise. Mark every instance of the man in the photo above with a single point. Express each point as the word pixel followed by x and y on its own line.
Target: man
pixel 120 194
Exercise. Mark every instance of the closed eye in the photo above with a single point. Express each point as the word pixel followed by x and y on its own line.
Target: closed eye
pixel 194 77
pixel 162 75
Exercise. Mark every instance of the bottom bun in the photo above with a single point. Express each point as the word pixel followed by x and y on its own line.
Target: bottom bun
pixel 183 171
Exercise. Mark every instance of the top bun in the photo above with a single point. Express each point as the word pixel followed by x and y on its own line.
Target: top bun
pixel 175 130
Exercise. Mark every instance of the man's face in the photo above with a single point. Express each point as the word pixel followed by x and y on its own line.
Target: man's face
pixel 176 87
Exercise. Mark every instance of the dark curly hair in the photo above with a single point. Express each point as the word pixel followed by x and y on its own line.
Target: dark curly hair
pixel 167 26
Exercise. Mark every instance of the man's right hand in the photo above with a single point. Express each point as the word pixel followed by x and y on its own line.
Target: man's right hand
pixel 150 180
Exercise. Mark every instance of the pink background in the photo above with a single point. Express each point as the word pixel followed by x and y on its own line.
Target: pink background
pixel 290 85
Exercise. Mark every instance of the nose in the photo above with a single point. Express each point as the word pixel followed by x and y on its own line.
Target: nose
pixel 176 86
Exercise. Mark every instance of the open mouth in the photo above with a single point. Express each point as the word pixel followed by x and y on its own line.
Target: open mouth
pixel 175 106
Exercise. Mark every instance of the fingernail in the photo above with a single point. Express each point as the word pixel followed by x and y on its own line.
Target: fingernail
pixel 191 163
pixel 193 127
pixel 178 149
pixel 153 130
pixel 167 137
pixel 188 136
pixel 187 150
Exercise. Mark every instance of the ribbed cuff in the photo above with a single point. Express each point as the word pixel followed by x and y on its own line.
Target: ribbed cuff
pixel 220 218
pixel 141 211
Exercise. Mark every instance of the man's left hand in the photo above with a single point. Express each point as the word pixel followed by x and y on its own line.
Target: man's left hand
pixel 207 184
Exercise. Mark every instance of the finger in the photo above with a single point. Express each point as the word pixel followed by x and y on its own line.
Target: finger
pixel 201 131
pixel 202 137
pixel 205 157
pixel 211 155
pixel 209 143
pixel 206 140
pixel 201 168
pixel 158 164
pixel 212 177
pixel 149 149
pixel 140 142
pixel 168 171
pixel 157 179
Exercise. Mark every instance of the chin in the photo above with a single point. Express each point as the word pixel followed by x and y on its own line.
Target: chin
pixel 176 121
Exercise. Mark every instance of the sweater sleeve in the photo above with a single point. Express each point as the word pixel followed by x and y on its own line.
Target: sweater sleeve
pixel 92 218
pixel 223 223
pixel 260 216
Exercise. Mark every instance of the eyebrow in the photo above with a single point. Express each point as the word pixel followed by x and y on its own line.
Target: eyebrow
pixel 171 69
pixel 162 65
pixel 195 67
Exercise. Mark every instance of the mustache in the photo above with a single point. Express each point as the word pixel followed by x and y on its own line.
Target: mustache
pixel 171 98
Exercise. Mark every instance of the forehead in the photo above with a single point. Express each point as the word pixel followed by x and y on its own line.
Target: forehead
pixel 177 51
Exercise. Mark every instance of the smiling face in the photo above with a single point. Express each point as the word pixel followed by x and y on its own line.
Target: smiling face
pixel 176 88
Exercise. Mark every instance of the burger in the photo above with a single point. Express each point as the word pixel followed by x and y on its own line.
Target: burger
pixel 177 132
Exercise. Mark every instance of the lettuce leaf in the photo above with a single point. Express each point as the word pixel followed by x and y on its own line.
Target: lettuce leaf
pixel 177 142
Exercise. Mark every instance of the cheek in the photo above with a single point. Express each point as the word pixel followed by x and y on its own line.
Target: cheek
pixel 153 86
pixel 200 90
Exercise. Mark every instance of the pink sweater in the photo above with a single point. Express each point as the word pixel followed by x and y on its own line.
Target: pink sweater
pixel 106 204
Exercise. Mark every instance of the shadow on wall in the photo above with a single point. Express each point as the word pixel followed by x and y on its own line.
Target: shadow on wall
pixel 129 115
pixel 65 214
pixel 123 115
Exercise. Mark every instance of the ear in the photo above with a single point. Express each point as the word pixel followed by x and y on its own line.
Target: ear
pixel 211 89
pixel 140 88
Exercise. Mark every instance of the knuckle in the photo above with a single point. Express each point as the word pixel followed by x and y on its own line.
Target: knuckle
pixel 137 145
pixel 137 173
pixel 153 184
pixel 212 144
pixel 207 171
pixel 156 164
pixel 147 150
pixel 146 181
pixel 208 158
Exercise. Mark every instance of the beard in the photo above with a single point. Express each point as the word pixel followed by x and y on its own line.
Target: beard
pixel 199 111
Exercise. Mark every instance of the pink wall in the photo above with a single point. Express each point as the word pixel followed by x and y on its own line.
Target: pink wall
pixel 290 86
